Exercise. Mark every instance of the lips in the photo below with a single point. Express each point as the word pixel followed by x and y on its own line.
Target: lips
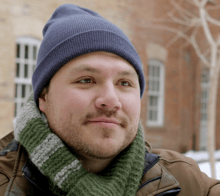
pixel 102 120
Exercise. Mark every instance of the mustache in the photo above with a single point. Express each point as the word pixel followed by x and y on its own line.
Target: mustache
pixel 108 114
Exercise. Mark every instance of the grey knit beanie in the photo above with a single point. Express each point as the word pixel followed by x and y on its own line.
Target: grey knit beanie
pixel 73 31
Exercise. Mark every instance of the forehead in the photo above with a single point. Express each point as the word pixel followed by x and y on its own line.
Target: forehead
pixel 98 62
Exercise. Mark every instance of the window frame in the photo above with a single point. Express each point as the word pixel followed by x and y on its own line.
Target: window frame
pixel 25 63
pixel 160 94
pixel 205 84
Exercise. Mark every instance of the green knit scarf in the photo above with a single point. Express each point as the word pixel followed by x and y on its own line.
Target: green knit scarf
pixel 65 172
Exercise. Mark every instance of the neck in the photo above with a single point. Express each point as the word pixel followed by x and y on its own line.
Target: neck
pixel 94 165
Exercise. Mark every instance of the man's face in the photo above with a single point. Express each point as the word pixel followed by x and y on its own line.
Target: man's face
pixel 93 104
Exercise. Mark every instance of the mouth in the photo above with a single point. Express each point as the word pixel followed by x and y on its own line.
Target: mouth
pixel 109 122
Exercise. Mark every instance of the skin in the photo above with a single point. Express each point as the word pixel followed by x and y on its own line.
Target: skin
pixel 93 105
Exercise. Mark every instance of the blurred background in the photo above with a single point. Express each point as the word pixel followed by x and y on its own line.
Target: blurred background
pixel 170 40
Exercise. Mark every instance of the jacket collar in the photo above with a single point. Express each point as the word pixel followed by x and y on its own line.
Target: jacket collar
pixel 156 179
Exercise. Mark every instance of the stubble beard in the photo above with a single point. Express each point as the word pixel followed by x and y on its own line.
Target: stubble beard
pixel 68 132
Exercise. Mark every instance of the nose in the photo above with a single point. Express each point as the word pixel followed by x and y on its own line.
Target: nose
pixel 107 98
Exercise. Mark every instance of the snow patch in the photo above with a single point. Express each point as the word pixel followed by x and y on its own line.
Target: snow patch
pixel 202 158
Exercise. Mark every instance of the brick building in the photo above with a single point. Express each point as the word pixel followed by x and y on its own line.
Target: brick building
pixel 176 85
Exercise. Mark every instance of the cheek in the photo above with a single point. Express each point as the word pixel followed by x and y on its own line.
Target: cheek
pixel 75 101
pixel 131 105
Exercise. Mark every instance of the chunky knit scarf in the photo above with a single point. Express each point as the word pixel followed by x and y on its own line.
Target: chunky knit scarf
pixel 65 172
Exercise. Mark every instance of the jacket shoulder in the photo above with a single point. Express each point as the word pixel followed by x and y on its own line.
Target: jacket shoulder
pixel 186 171
pixel 8 154
pixel 157 180
pixel 6 140
pixel 17 175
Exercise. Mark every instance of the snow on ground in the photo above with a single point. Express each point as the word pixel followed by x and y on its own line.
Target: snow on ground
pixel 205 167
pixel 202 158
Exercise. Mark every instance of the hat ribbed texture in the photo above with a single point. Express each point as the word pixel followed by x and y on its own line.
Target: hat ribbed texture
pixel 73 31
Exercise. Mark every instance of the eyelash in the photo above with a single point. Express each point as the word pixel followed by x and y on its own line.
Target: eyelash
pixel 80 81
pixel 124 81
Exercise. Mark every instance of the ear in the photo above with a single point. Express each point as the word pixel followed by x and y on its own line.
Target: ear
pixel 42 99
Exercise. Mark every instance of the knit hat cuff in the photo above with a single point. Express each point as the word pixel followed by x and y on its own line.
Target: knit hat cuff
pixel 91 41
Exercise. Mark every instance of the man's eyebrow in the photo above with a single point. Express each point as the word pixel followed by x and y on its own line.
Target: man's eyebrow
pixel 85 68
pixel 128 73
pixel 88 68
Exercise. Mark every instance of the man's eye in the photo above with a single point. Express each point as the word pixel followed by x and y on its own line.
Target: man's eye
pixel 125 83
pixel 86 81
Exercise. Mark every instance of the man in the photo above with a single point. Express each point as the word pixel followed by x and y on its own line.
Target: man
pixel 79 132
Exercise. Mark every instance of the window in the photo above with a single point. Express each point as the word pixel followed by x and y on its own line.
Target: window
pixel 203 109
pixel 26 57
pixel 155 93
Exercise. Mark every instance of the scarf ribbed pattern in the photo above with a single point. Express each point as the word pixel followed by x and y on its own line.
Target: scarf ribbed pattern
pixel 65 172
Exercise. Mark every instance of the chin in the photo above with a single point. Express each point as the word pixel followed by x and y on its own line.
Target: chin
pixel 105 152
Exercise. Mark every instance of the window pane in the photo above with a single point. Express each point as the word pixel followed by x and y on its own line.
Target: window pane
pixel 150 101
pixel 158 72
pixel 158 86
pixel 26 51
pixel 16 90
pixel 17 70
pixel 26 71
pixel 149 70
pixel 204 117
pixel 204 94
pixel 34 53
pixel 204 106
pixel 155 115
pixel 151 115
pixel 153 71
pixel 153 85
pixel 23 91
pixel 149 85
pixel 153 101
pixel 15 112
pixel 205 77
pixel 18 50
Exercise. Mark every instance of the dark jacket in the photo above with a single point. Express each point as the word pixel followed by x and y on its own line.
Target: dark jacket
pixel 166 173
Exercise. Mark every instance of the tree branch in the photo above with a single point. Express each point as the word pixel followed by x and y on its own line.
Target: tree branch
pixel 216 7
pixel 203 3
pixel 178 35
pixel 183 12
pixel 206 27
pixel 177 20
pixel 218 40
pixel 196 2
pixel 191 2
pixel 198 51
pixel 170 29
pixel 212 20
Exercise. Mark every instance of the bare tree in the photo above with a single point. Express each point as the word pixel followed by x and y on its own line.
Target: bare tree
pixel 191 22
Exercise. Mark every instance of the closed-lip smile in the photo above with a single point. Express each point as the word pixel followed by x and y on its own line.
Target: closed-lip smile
pixel 104 120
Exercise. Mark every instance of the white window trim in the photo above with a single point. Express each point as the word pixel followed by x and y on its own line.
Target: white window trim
pixel 203 123
pixel 21 80
pixel 160 110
